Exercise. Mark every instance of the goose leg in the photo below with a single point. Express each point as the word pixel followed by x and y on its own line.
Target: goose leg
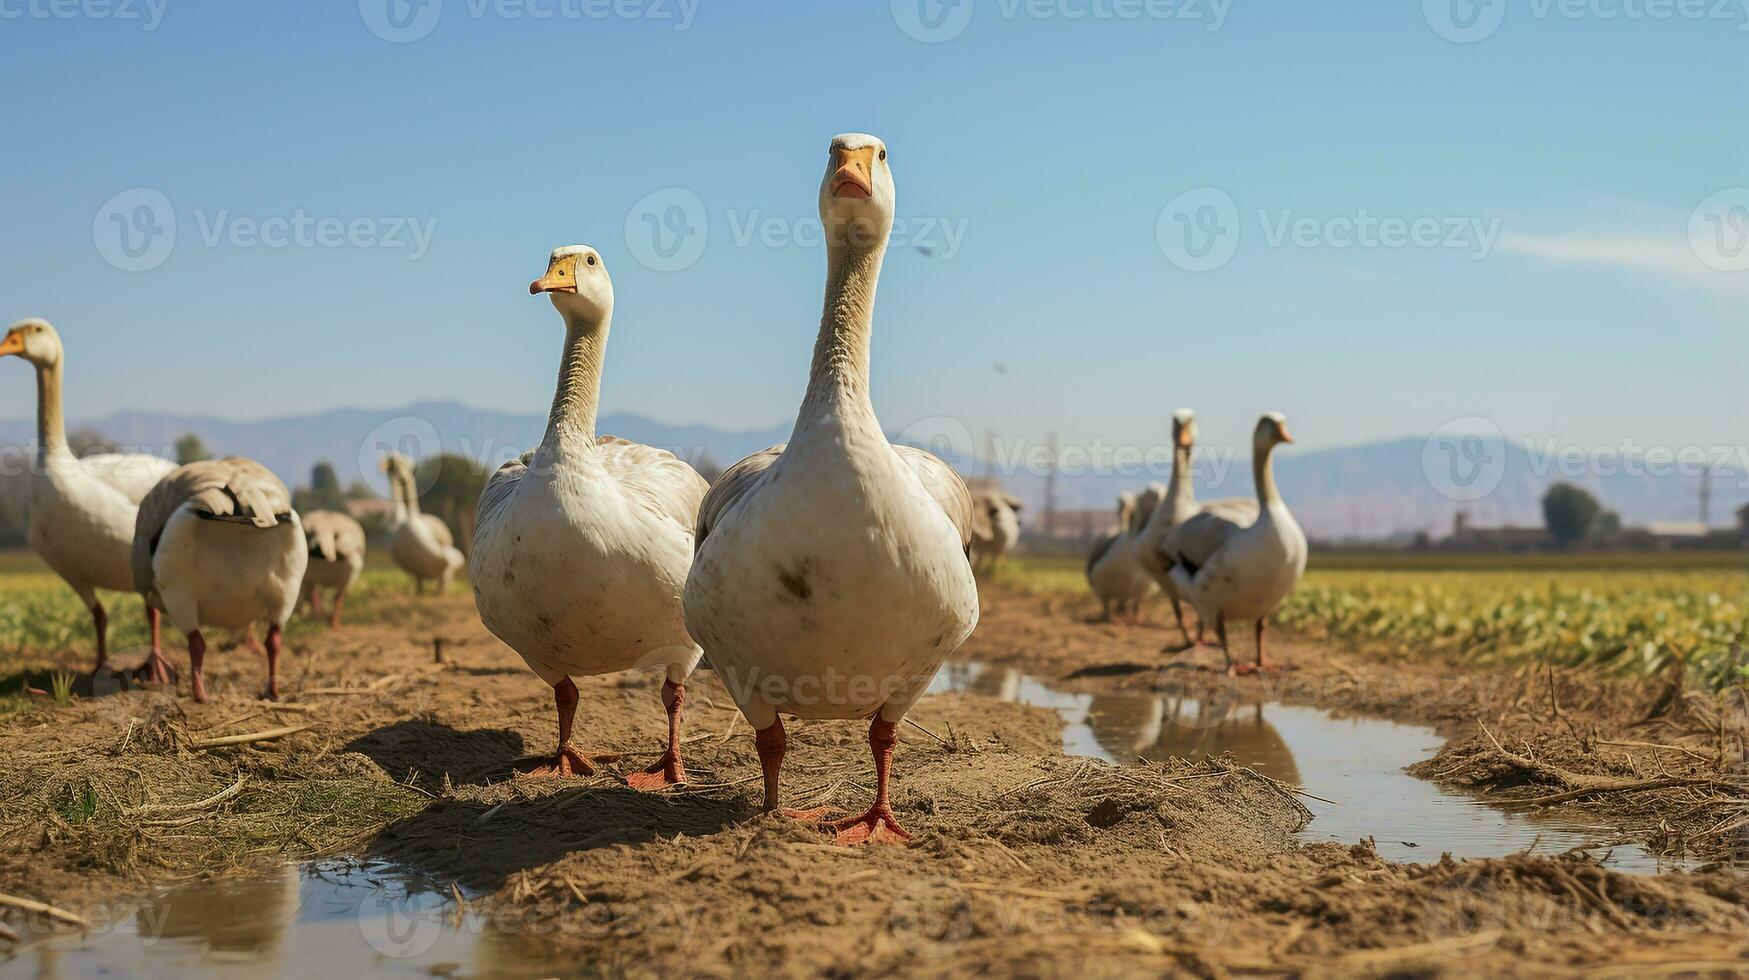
pixel 567 761
pixel 668 770
pixel 273 640
pixel 251 641
pixel 1221 638
pixel 156 670
pixel 772 743
pixel 315 602
pixel 100 622
pixel 196 658
pixel 334 615
pixel 878 824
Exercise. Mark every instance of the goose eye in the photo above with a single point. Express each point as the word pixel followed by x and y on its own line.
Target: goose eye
pixel 883 154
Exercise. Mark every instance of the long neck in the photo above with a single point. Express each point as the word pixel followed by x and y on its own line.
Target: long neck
pixel 840 369
pixel 571 423
pixel 51 429
pixel 406 501
pixel 1263 474
pixel 1181 489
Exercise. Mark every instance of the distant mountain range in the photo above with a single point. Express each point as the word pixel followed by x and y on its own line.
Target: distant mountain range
pixel 1372 491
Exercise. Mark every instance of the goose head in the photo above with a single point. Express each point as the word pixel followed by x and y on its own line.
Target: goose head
pixel 1271 432
pixel 857 198
pixel 578 284
pixel 398 467
pixel 1184 429
pixel 35 341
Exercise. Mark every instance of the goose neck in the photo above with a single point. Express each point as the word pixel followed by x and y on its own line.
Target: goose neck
pixel 841 352
pixel 1263 475
pixel 571 422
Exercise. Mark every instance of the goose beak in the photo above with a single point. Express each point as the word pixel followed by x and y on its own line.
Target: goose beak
pixel 852 179
pixel 13 344
pixel 1284 436
pixel 551 284
pixel 1184 439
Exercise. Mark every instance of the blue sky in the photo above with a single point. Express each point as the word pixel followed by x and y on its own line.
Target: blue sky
pixel 1563 155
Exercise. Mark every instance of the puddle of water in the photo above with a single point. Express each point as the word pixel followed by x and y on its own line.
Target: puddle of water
pixel 321 919
pixel 1357 762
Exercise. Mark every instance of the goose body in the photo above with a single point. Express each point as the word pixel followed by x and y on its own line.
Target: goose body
pixel 336 546
pixel 421 544
pixel 1180 505
pixel 1116 578
pixel 833 575
pixel 81 510
pixel 582 546
pixel 995 527
pixel 1228 570
pixel 216 543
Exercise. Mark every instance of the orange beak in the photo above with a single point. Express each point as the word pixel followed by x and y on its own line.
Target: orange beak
pixel 1183 439
pixel 852 178
pixel 1284 436
pixel 561 277
pixel 13 344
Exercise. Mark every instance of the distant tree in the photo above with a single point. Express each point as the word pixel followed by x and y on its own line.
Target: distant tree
pixel 88 442
pixel 190 449
pixel 360 490
pixel 323 493
pixel 1569 513
pixel 14 509
pixel 1609 522
pixel 451 486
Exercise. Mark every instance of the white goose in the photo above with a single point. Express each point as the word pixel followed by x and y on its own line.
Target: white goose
pixel 995 527
pixel 217 543
pixel 1112 571
pixel 420 543
pixel 1180 506
pixel 81 510
pixel 336 546
pixel 1228 571
pixel 582 546
pixel 832 576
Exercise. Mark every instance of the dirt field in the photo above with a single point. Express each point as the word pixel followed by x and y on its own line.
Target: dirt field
pixel 1026 861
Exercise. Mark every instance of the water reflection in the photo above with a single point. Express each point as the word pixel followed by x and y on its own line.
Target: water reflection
pixel 1357 762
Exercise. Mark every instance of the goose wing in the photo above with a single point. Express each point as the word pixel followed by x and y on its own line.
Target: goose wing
pixel 655 478
pixel 945 485
pixel 1193 543
pixel 133 474
pixel 499 489
pixel 333 535
pixel 733 485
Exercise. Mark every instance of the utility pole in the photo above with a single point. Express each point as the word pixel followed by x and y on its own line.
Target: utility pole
pixel 1706 493
pixel 990 453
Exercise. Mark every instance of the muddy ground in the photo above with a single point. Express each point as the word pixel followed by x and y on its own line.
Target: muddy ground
pixel 1025 861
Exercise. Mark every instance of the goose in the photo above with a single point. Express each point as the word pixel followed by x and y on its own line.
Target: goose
pixel 420 543
pixel 1112 571
pixel 582 546
pixel 1180 505
pixel 216 543
pixel 1230 571
pixel 336 545
pixel 995 527
pixel 81 510
pixel 833 574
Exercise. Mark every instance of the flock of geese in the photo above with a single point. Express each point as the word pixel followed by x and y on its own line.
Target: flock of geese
pixel 829 577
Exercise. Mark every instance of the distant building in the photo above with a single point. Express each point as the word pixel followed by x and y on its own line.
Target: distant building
pixel 1466 537
pixel 1743 525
